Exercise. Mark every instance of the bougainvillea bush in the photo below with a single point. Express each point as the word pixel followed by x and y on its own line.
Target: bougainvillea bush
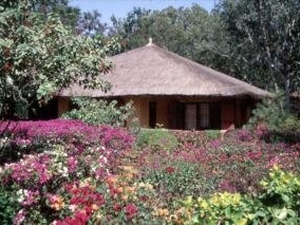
pixel 67 172
pixel 50 169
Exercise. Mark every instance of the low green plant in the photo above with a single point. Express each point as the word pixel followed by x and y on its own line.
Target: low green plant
pixel 283 189
pixel 277 204
pixel 178 180
pixel 156 139
pixel 95 112
pixel 7 206
pixel 212 134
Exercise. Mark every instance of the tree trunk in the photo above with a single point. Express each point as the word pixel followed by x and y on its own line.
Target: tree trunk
pixel 287 93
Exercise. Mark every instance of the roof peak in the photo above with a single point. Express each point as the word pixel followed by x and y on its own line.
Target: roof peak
pixel 150 43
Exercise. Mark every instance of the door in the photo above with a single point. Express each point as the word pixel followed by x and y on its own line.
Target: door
pixel 152 114
pixel 177 115
pixel 215 116
pixel 228 115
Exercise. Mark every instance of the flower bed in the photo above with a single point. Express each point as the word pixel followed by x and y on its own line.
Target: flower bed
pixel 66 172
pixel 42 160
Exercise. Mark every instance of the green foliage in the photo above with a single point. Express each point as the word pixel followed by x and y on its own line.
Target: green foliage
pixel 263 42
pixel 277 204
pixel 156 139
pixel 271 113
pixel 283 189
pixel 179 179
pixel 212 134
pixel 7 206
pixel 40 55
pixel 95 112
pixel 189 32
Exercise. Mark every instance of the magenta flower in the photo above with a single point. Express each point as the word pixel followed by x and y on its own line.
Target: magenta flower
pixel 131 211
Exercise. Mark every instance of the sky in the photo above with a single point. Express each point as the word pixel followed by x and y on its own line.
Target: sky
pixel 120 8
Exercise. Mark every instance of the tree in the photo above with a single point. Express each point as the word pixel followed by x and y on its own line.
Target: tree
pixel 188 32
pixel 264 42
pixel 134 29
pixel 68 15
pixel 90 24
pixel 40 56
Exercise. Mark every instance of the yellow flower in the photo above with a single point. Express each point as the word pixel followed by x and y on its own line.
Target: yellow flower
pixel 147 186
pixel 204 205
pixel 111 180
pixel 120 189
pixel 275 167
pixel 160 212
pixel 236 198
pixel 99 216
pixel 164 212
pixel 124 198
pixel 129 190
pixel 57 203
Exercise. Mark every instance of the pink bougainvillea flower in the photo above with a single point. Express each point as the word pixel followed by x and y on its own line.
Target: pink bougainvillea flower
pixel 117 207
pixel 19 218
pixel 131 211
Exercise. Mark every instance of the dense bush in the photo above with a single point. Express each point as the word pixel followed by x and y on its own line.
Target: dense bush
pixel 26 137
pixel 7 206
pixel 95 112
pixel 72 159
pixel 272 114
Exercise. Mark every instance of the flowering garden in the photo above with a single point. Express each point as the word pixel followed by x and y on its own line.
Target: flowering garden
pixel 67 172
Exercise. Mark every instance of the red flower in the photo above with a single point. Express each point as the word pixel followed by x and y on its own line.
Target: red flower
pixel 144 198
pixel 170 169
pixel 117 207
pixel 79 218
pixel 130 210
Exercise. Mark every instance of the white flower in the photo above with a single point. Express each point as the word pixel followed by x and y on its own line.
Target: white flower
pixel 104 159
pixel 22 194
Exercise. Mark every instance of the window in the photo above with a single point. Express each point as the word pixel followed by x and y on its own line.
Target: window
pixel 194 115
pixel 204 115
pixel 190 116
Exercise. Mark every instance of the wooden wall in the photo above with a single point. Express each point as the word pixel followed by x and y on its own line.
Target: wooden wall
pixel 141 105
pixel 234 112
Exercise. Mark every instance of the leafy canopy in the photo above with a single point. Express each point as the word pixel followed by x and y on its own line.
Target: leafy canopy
pixel 95 112
pixel 40 55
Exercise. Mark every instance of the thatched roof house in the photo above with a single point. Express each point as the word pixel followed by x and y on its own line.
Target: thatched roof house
pixel 174 91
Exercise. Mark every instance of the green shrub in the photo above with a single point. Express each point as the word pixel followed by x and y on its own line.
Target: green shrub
pixel 178 180
pixel 95 112
pixel 277 204
pixel 212 134
pixel 7 206
pixel 272 114
pixel 156 139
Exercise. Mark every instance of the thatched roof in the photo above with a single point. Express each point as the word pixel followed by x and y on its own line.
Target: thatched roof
pixel 151 70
